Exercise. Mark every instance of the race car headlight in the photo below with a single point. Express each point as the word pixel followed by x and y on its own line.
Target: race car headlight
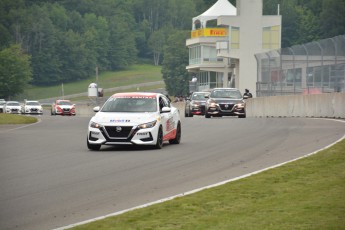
pixel 95 125
pixel 240 105
pixel 147 125
pixel 195 104
pixel 213 104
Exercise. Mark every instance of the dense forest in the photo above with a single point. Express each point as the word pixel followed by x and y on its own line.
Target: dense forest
pixel 55 41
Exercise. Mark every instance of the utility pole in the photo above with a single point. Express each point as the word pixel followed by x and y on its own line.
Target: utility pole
pixel 97 84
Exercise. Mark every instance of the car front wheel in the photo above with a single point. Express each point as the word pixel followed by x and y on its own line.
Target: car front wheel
pixel 159 143
pixel 185 112
pixel 177 139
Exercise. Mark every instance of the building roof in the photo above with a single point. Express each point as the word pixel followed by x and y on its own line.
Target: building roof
pixel 221 7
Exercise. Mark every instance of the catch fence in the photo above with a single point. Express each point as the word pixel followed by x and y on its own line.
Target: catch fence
pixel 315 67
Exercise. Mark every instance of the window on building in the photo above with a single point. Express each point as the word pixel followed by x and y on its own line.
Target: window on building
pixel 195 55
pixel 235 38
pixel 271 37
pixel 209 53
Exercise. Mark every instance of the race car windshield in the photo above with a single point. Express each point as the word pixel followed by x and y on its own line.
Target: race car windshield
pixel 234 94
pixel 13 104
pixel 32 103
pixel 131 105
pixel 199 96
pixel 64 103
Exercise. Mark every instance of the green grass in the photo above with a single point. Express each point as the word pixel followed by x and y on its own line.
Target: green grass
pixel 6 118
pixel 133 75
pixel 305 194
pixel 108 94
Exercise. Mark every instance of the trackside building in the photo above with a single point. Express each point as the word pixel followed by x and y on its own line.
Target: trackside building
pixel 224 41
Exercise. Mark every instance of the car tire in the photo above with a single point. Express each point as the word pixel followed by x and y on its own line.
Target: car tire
pixel 207 115
pixel 159 143
pixel 177 139
pixel 242 116
pixel 92 147
pixel 185 112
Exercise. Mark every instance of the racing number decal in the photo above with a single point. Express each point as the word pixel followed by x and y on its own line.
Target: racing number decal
pixel 170 124
pixel 170 129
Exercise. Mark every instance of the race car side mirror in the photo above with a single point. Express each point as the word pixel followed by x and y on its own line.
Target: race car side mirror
pixel 166 110
pixel 96 109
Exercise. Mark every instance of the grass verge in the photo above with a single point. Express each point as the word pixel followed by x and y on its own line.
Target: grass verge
pixel 133 75
pixel 108 94
pixel 305 194
pixel 11 119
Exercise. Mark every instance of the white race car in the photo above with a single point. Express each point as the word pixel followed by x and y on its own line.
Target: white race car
pixel 32 107
pixel 136 118
pixel 12 107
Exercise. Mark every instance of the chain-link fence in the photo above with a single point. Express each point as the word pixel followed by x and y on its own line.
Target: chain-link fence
pixel 315 67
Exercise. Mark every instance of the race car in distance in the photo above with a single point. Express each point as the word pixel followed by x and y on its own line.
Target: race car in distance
pixel 63 107
pixel 225 102
pixel 138 118
pixel 32 107
pixel 2 104
pixel 12 107
pixel 195 105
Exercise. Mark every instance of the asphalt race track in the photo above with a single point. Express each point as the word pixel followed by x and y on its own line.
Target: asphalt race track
pixel 49 179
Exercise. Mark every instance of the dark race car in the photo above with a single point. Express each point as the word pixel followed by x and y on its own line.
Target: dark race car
pixel 195 105
pixel 225 102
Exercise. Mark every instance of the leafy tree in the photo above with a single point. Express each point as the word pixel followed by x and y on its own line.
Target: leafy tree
pixel 175 61
pixel 333 18
pixel 142 36
pixel 97 39
pixel 6 37
pixel 308 26
pixel 122 50
pixel 43 43
pixel 156 43
pixel 15 71
pixel 179 14
pixel 77 61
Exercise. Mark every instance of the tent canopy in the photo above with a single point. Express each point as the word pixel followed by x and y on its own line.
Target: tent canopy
pixel 221 7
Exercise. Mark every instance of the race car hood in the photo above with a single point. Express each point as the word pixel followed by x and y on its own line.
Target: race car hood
pixel 199 101
pixel 13 106
pixel 226 100
pixel 132 119
pixel 33 106
pixel 65 106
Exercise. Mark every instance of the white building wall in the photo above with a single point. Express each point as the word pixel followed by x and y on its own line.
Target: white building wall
pixel 250 18
pixel 251 22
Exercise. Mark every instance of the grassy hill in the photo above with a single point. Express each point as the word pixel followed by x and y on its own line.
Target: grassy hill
pixel 133 75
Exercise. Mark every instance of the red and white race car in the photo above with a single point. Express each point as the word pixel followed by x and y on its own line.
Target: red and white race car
pixel 63 107
pixel 137 118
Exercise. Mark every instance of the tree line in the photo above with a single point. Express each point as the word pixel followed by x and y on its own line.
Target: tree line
pixel 65 40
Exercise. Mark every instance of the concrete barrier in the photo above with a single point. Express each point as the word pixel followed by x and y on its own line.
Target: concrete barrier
pixel 330 105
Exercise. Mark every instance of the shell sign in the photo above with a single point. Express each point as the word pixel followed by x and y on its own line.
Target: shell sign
pixel 209 32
